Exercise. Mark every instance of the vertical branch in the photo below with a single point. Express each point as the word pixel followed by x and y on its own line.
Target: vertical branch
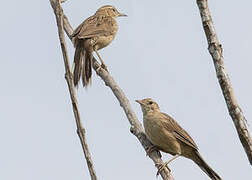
pixel 80 129
pixel 215 50
pixel 136 127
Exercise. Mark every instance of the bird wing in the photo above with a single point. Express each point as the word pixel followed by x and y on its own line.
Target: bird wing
pixel 171 125
pixel 94 26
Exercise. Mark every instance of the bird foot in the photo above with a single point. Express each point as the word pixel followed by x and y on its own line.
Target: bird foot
pixel 104 67
pixel 161 167
pixel 98 69
pixel 152 148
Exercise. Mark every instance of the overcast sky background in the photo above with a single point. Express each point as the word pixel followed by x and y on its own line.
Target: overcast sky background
pixel 160 51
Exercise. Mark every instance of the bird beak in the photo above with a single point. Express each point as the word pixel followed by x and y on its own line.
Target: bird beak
pixel 122 15
pixel 140 102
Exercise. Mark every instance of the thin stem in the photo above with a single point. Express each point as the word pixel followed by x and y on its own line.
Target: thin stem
pixel 68 76
pixel 215 49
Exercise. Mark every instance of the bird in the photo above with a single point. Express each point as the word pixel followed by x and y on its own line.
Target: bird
pixel 93 34
pixel 168 136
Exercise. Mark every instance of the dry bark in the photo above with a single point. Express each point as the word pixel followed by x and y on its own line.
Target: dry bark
pixel 215 49
pixel 136 127
pixel 68 75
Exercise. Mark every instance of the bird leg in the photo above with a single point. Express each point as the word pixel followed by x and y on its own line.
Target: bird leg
pixel 152 148
pixel 102 62
pixel 162 166
pixel 72 69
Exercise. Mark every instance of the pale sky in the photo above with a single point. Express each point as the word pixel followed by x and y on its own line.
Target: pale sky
pixel 160 51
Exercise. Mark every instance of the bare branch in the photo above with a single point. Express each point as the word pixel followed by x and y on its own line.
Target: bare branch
pixel 80 129
pixel 136 127
pixel 215 50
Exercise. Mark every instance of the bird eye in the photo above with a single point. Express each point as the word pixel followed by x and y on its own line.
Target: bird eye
pixel 113 10
pixel 150 102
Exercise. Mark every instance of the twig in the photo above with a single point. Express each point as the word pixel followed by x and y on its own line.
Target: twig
pixel 215 50
pixel 136 127
pixel 80 129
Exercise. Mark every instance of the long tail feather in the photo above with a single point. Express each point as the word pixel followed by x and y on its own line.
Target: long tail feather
pixel 87 68
pixel 83 64
pixel 204 166
pixel 78 62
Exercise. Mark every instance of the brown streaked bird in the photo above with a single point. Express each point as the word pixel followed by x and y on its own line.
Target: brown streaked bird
pixel 95 33
pixel 166 135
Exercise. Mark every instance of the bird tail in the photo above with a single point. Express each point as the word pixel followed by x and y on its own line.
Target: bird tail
pixel 205 167
pixel 88 69
pixel 82 64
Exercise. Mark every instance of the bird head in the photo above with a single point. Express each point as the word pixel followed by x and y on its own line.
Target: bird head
pixel 109 10
pixel 148 105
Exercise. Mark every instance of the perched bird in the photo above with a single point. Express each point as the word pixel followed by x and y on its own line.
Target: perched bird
pixel 95 33
pixel 166 135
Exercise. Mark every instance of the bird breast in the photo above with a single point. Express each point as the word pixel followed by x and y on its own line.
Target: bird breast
pixel 159 136
pixel 111 28
pixel 103 41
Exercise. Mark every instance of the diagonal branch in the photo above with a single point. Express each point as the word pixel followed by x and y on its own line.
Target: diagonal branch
pixel 68 75
pixel 215 50
pixel 136 127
